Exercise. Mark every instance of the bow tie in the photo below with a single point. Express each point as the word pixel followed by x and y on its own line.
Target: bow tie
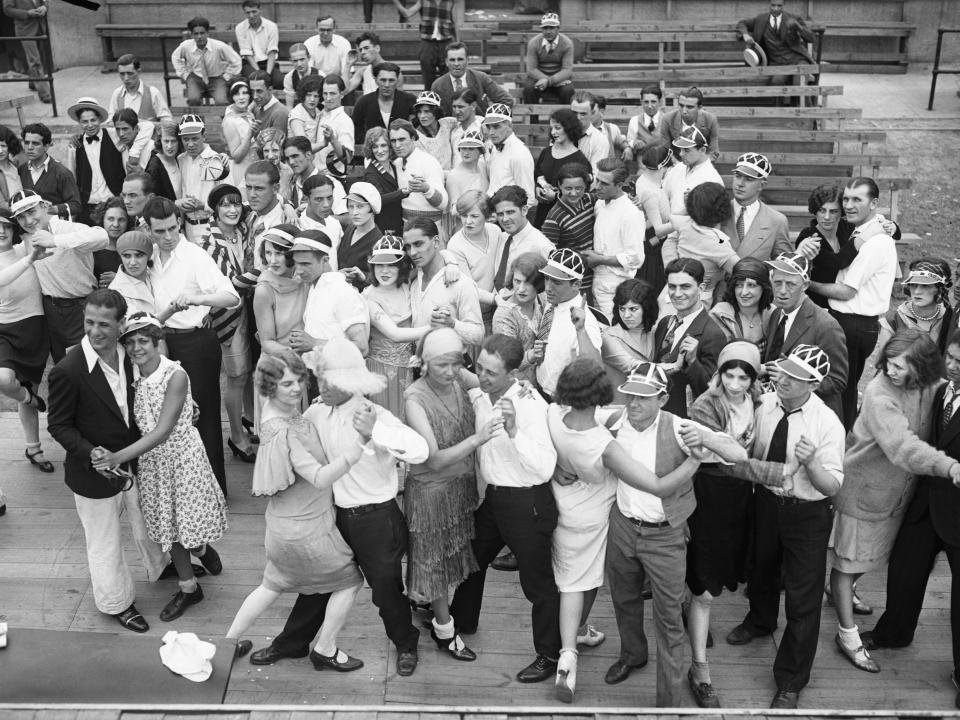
pixel 92 139
pixel 499 147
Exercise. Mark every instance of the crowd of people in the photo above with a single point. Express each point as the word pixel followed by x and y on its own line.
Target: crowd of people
pixel 602 360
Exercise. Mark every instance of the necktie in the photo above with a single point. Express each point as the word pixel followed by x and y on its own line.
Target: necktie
pixel 457 84
pixel 546 322
pixel 741 223
pixel 204 75
pixel 499 280
pixel 777 451
pixel 92 139
pixel 776 342
pixel 948 406
pixel 651 126
pixel 667 343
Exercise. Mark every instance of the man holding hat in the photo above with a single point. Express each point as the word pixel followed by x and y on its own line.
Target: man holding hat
pixel 66 275
pixel 860 296
pixel 201 168
pixel 798 320
pixel 97 160
pixel 368 516
pixel 694 168
pixel 510 161
pixel 782 36
pixel 549 64
pixel 690 113
pixel 567 328
pixel 797 461
pixel 334 308
pixel 755 229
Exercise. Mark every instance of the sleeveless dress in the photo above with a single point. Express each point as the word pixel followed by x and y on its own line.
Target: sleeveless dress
pixel 387 357
pixel 305 551
pixel 179 495
pixel 439 505
pixel 240 122
pixel 580 538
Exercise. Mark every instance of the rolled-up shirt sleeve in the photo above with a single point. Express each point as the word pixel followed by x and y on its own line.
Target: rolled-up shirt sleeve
pixel 399 440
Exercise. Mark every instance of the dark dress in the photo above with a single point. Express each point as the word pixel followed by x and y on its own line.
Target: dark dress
pixel 549 166
pixel 162 185
pixel 354 252
pixel 390 217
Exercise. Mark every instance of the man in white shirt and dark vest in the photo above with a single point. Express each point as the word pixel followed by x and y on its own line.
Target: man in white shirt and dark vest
pixel 145 100
pixel 799 447
pixel 518 509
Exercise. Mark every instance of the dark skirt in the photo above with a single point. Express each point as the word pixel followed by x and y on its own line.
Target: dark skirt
pixel 652 268
pixel 719 533
pixel 24 347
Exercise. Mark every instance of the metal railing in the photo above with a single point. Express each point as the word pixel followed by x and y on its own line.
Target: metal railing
pixel 46 60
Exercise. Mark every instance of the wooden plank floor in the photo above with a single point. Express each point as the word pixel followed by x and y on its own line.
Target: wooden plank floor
pixel 44 583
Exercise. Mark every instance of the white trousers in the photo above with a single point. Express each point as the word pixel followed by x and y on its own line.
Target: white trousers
pixel 113 590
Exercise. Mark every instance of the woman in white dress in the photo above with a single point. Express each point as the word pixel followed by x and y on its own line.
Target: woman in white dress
pixel 305 116
pixel 237 130
pixel 474 246
pixel 434 129
pixel 468 176
pixel 585 490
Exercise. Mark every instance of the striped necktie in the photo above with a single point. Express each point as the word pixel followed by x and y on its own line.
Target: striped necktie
pixel 949 406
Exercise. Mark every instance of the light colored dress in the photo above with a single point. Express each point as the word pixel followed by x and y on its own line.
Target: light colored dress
pixel 310 123
pixel 179 495
pixel 288 297
pixel 580 538
pixel 439 505
pixel 239 123
pixel 439 146
pixel 509 320
pixel 387 357
pixel 305 551
pixel 621 350
pixel 458 181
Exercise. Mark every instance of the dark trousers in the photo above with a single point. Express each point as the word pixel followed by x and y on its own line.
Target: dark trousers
pixel 911 562
pixel 198 351
pixel 791 537
pixel 378 539
pixel 276 77
pixel 861 333
pixel 64 324
pixel 524 520
pixel 552 94
pixel 368 12
pixel 433 60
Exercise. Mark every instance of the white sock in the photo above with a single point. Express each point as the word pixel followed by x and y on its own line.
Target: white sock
pixel 850 637
pixel 444 632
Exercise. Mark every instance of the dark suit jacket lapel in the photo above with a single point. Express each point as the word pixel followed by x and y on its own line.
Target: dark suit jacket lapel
pixel 950 432
pixel 799 326
pixel 98 382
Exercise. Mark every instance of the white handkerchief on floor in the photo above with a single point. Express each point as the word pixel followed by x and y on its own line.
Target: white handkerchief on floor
pixel 187 655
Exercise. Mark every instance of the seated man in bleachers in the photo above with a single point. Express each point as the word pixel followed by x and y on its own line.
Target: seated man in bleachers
pixel 145 100
pixel 782 36
pixel 387 100
pixel 258 40
pixel 690 113
pixel 549 65
pixel 206 66
pixel 269 112
pixel 328 51
pixel 368 45
pixel 460 75
pixel 300 58
pixel 644 128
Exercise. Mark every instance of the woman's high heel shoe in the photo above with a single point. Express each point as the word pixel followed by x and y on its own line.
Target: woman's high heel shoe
pixel 248 426
pixel 454 646
pixel 41 465
pixel 566 683
pixel 247 457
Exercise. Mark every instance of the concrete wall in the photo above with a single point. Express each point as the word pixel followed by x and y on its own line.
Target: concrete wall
pixel 76 42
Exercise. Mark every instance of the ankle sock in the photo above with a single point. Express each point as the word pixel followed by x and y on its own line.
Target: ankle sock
pixel 189 586
pixel 445 631
pixel 850 637
pixel 701 671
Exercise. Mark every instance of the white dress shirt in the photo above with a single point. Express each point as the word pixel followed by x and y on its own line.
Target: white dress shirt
pixel 461 297
pixel 373 479
pixel 188 270
pixel 116 379
pixel 428 168
pixel 562 344
pixel 642 120
pixel 528 458
pixel 329 59
pixel 99 192
pixel 217 59
pixel 595 146
pixel 333 306
pixel 682 179
pixel 68 271
pixel 258 43
pixel 513 165
pixel 616 231
pixel 749 214
pixel 528 240
pixel 872 274
pixel 123 99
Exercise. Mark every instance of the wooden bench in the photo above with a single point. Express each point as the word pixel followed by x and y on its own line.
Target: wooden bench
pixel 17 103
pixel 868 46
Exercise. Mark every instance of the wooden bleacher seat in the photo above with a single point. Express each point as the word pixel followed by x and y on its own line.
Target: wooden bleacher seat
pixel 17 104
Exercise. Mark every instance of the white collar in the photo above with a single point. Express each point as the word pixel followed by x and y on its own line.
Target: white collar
pixel 92 358
pixel 141 90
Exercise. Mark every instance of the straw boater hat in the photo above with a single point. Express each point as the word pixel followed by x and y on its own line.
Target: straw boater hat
pixel 646 380
pixel 792 264
pixel 87 103
pixel 341 365
pixel 805 362
pixel 754 55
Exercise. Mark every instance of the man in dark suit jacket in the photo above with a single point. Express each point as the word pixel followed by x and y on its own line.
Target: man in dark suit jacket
pixel 803 323
pixel 690 112
pixel 687 344
pixel 99 180
pixel 782 36
pixel 91 410
pixel 931 525
pixel 54 183
pixel 30 18
pixel 460 74
pixel 366 113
